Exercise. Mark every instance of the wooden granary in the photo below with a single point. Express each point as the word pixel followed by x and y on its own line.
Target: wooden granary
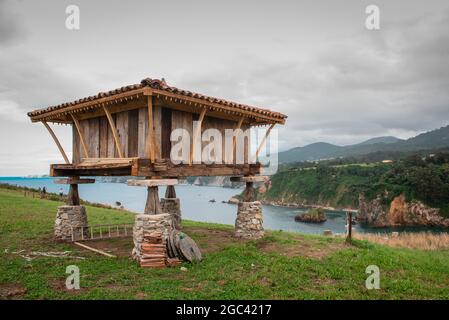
pixel 127 132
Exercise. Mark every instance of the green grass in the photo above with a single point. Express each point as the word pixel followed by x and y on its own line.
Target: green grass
pixel 280 266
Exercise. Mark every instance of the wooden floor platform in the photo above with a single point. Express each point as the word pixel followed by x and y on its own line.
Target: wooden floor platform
pixel 144 168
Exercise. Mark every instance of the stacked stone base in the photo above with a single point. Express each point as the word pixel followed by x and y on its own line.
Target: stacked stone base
pixel 249 222
pixel 173 207
pixel 71 219
pixel 149 223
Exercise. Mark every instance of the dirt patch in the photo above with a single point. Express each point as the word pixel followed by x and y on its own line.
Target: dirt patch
pixel 212 240
pixel 12 291
pixel 60 286
pixel 304 248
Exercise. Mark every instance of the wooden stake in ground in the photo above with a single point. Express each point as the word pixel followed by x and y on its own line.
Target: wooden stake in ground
pixel 349 225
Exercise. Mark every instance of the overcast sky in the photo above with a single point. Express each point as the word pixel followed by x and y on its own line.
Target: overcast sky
pixel 312 60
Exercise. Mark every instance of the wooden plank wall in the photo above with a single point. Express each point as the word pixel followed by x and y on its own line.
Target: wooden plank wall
pixel 132 127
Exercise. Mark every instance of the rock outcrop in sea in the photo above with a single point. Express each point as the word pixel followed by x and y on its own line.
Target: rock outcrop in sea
pixel 399 213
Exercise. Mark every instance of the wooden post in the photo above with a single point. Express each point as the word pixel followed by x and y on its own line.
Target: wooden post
pixel 114 132
pixel 195 135
pixel 73 198
pixel 349 224
pixel 170 192
pixel 248 194
pixel 151 135
pixel 153 205
pixel 57 142
pixel 234 140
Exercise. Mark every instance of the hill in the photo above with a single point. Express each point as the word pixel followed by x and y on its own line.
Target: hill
pixel 418 180
pixel 435 139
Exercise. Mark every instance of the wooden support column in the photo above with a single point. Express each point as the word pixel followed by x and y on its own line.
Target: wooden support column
pixel 80 133
pixel 234 140
pixel 57 142
pixel 248 194
pixel 153 205
pixel 151 136
pixel 170 192
pixel 73 198
pixel 196 133
pixel 114 132
pixel 262 143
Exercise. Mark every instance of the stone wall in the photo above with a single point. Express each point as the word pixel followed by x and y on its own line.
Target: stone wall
pixel 70 218
pixel 147 223
pixel 173 207
pixel 249 222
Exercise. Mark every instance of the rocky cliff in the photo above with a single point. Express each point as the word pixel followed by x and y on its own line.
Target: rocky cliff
pixel 399 213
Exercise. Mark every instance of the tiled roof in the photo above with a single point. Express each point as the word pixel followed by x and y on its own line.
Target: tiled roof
pixel 158 84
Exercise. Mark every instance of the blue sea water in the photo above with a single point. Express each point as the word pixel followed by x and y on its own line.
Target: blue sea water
pixel 196 205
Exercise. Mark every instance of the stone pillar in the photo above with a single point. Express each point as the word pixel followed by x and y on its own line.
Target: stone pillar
pixel 71 218
pixel 249 222
pixel 146 223
pixel 172 205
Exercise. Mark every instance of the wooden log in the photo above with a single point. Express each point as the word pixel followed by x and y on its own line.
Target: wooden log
pixel 170 192
pixel 248 193
pixel 95 250
pixel 152 182
pixel 153 205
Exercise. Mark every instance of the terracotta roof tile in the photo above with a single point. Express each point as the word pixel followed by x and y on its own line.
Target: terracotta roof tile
pixel 159 84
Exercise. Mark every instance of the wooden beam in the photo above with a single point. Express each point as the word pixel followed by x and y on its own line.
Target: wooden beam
pixel 151 134
pixel 264 140
pixel 80 133
pixel 196 133
pixel 250 179
pixel 234 139
pixel 114 132
pixel 57 142
pixel 74 180
pixel 94 103
pixel 152 182
pixel 95 250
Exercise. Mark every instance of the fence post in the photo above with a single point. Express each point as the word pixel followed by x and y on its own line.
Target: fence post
pixel 349 226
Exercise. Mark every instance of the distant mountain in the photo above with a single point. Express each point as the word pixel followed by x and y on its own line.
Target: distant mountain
pixel 435 139
pixel 386 139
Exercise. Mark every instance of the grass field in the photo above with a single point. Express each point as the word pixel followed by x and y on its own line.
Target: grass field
pixel 280 266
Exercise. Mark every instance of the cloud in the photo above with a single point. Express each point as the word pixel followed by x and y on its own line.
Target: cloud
pixel 392 81
pixel 10 28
